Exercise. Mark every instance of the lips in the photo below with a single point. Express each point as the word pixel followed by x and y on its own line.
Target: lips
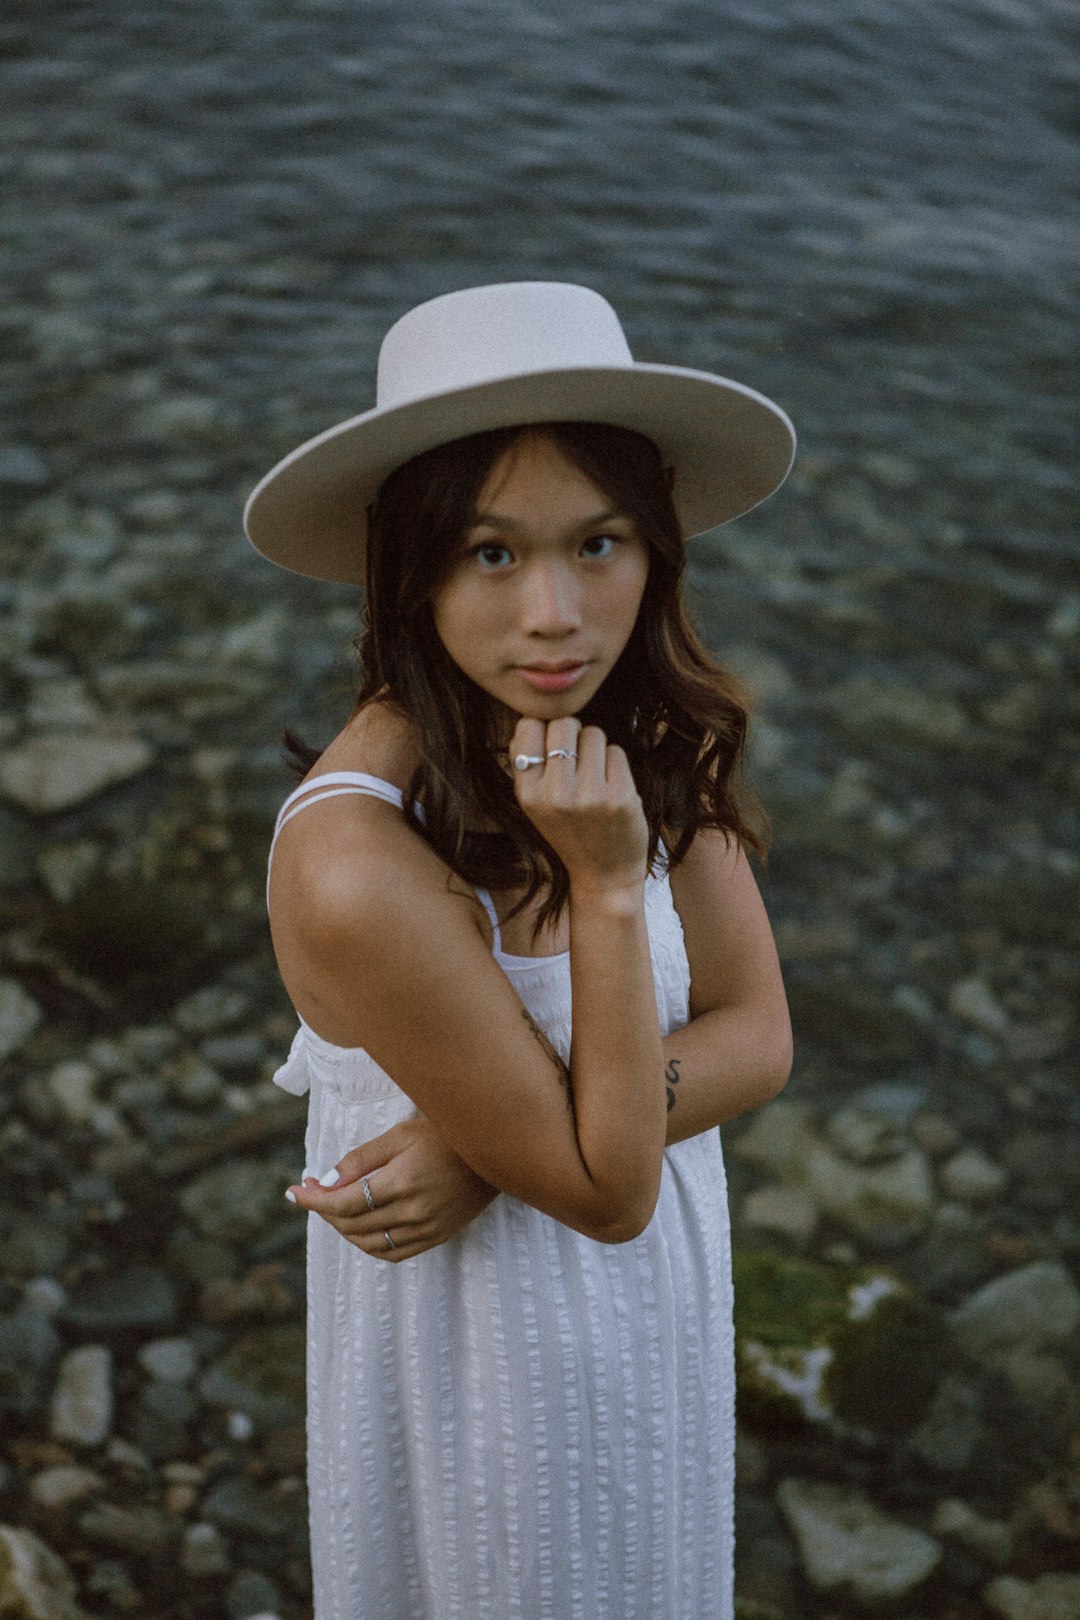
pixel 552 677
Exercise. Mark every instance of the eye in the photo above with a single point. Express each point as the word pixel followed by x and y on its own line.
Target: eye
pixel 490 557
pixel 599 546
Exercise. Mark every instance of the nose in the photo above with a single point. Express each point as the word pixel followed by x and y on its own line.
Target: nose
pixel 551 604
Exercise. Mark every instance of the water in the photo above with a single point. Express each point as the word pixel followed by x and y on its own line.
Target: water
pixel 213 212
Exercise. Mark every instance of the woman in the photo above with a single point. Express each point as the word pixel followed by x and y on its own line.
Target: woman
pixel 535 800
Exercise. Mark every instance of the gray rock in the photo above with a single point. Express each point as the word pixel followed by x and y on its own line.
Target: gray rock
pixel 1050 1597
pixel 205 1552
pixel 973 1177
pixel 847 1545
pixel 81 1411
pixel 23 467
pixel 952 1428
pixel 261 1374
pixel 213 1008
pixel 66 869
pixel 20 1015
pixel 60 770
pixel 788 1211
pixel 173 1361
pixel 136 1297
pixel 146 1532
pixel 974 1001
pixel 34 1582
pixel 29 1347
pixel 1034 1308
pixel 35 1245
pixel 64 1484
pixel 235 1199
pixel 864 1135
pixel 241 1506
pixel 989 1539
pixel 252 1596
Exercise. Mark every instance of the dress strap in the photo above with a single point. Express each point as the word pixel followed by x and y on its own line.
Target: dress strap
pixel 489 906
pixel 331 785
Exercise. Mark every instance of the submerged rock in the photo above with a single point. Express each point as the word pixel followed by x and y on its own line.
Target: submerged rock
pixel 34 1582
pixel 847 1546
pixel 850 1348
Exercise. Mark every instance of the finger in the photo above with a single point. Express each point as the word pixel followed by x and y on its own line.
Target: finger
pixel 591 761
pixel 561 744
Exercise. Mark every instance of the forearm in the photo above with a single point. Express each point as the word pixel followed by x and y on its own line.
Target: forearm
pixel 616 1059
pixel 721 1065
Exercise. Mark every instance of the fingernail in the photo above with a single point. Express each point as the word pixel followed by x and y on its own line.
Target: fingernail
pixel 331 1178
pixel 290 1195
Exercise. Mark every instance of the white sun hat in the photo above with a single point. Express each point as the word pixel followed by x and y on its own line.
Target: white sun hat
pixel 503 356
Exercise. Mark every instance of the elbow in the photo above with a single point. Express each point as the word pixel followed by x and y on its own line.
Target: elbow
pixel 627 1223
pixel 781 1058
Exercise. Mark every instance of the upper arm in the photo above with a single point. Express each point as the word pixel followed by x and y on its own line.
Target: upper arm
pixel 729 941
pixel 393 951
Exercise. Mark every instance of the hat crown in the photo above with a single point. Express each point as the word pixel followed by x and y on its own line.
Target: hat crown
pixel 483 334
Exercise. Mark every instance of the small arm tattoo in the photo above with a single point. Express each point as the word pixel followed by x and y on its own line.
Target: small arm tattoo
pixel 560 1066
pixel 671 1075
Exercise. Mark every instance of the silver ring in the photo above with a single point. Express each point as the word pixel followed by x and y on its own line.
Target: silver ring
pixel 367 1192
pixel 523 761
pixel 390 1244
pixel 562 753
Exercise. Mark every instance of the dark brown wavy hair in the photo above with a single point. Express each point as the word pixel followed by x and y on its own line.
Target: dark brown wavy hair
pixel 680 716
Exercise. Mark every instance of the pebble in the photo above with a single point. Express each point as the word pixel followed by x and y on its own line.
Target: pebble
pixel 34 1582
pixel 81 1411
pixel 132 1298
pixel 974 1001
pixel 20 1016
pixel 989 1539
pixel 787 1211
pixel 1034 1308
pixel 952 1428
pixel 1050 1597
pixel 847 1546
pixel 172 1360
pixel 58 771
pixel 60 1486
pixel 145 1531
pixel 973 1177
pixel 204 1552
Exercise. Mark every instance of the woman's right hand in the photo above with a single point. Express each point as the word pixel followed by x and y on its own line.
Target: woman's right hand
pixel 587 808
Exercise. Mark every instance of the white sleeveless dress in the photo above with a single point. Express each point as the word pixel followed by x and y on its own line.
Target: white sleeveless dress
pixel 522 1424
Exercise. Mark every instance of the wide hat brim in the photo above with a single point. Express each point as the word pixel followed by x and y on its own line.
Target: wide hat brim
pixel 728 445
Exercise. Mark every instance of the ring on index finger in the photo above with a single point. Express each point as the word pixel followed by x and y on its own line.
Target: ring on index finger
pixel 367 1192
pixel 523 761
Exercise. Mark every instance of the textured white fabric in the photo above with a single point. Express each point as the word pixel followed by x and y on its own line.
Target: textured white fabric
pixel 521 1424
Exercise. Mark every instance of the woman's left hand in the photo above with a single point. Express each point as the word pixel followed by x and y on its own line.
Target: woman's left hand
pixel 422 1192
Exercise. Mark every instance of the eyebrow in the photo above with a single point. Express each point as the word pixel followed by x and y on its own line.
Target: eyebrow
pixel 492 520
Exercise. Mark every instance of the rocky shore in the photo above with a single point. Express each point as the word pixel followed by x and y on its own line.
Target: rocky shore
pixel 906 1224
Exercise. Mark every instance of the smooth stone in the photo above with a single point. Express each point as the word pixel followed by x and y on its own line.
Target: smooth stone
pixel 23 467
pixel 81 1410
pixel 66 869
pixel 241 1506
pixel 64 1484
pixel 237 1199
pixel 136 1297
pixel 59 771
pixel 34 1581
pixel 213 1008
pixel 20 1016
pixel 29 1347
pixel 787 1211
pixel 146 1532
pixel 1034 1308
pixel 1049 1597
pixel 952 1427
pixel 990 1539
pixel 974 1001
pixel 251 1595
pixel 973 1177
pixel 865 1136
pixel 205 1552
pixel 173 1361
pixel 847 1545
pixel 72 1085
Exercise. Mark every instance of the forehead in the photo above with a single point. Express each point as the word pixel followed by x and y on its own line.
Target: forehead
pixel 535 467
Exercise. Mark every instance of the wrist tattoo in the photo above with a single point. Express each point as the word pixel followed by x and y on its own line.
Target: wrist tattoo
pixel 672 1076
pixel 560 1067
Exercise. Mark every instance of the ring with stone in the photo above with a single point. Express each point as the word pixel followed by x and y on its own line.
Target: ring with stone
pixel 367 1192
pixel 390 1244
pixel 561 753
pixel 523 761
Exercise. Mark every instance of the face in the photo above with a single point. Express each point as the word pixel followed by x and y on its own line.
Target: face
pixel 545 590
